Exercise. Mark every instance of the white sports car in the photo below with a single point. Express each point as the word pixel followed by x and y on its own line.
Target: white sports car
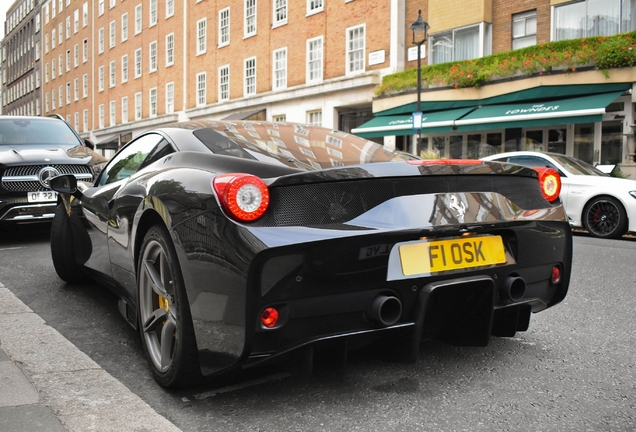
pixel 603 205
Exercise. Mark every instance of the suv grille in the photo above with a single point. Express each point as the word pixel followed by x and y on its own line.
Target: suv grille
pixel 10 183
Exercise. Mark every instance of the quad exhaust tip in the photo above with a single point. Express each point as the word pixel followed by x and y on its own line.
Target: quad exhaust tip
pixel 387 310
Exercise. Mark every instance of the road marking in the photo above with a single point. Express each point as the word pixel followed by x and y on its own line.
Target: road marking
pixel 208 394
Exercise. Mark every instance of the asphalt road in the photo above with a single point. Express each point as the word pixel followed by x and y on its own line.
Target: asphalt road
pixel 574 369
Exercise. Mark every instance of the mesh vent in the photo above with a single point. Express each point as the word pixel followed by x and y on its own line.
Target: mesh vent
pixel 335 203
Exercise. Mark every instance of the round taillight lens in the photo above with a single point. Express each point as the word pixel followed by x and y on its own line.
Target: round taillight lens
pixel 244 196
pixel 269 317
pixel 550 183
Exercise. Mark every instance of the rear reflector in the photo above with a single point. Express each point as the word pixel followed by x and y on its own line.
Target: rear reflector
pixel 556 275
pixel 244 196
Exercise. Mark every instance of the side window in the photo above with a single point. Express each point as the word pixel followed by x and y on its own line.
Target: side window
pixel 130 159
pixel 164 148
pixel 532 162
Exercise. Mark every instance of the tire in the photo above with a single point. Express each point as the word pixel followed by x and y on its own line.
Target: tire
pixel 165 321
pixel 63 248
pixel 605 217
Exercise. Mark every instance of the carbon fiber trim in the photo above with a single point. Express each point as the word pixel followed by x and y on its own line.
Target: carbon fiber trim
pixel 339 202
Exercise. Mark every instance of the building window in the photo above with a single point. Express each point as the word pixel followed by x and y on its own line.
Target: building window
pixel 85 115
pixel 153 102
pixel 153 13
pixel 53 33
pixel 224 83
pixel 46 73
pixel 593 18
pixel 138 106
pixel 250 18
pixel 60 69
pixel 100 9
pixel 314 118
pixel 100 40
pixel 100 78
pixel 113 113
pixel 68 93
pixel 524 30
pixel 224 27
pixel 76 21
pixel 280 12
pixel 84 15
pixel 46 43
pixel 138 63
pixel 53 99
pixel 153 56
pixel 124 27
pixel 170 49
pixel 138 19
pixel 85 86
pixel 124 109
pixel 279 118
pixel 314 60
pixel 112 35
pixel 355 49
pixel 280 68
pixel 101 116
pixel 68 60
pixel 111 4
pixel 250 77
pixel 314 6
pixel 76 121
pixel 68 27
pixel 84 50
pixel 76 89
pixel 60 96
pixel 201 36
pixel 169 98
pixel 113 77
pixel 124 68
pixel 76 55
pixel 460 44
pixel 169 8
pixel 201 89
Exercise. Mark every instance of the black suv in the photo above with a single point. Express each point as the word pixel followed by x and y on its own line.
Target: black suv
pixel 32 151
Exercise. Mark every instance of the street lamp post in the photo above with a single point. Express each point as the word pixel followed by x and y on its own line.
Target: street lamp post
pixel 419 28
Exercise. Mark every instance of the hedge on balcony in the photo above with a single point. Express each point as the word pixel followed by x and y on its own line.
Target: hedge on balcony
pixel 603 53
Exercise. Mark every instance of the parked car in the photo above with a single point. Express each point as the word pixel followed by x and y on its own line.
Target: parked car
pixel 32 151
pixel 593 200
pixel 232 244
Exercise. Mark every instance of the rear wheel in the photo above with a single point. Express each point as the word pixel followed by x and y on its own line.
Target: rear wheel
pixel 164 314
pixel 605 217
pixel 63 248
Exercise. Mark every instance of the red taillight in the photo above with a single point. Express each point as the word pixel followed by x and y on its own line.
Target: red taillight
pixel 269 317
pixel 444 162
pixel 556 275
pixel 550 183
pixel 244 196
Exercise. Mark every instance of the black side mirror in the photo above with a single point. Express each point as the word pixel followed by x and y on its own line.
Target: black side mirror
pixel 88 143
pixel 65 184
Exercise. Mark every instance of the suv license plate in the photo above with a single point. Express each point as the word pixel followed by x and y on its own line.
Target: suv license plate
pixel 42 196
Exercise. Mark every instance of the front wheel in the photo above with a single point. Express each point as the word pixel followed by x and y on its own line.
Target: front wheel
pixel 165 322
pixel 605 217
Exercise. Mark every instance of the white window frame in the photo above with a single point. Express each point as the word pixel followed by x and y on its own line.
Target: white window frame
pixel 124 68
pixel 138 106
pixel 85 118
pixel 170 98
pixel 112 113
pixel 202 26
pixel 169 8
pixel 124 109
pixel 224 27
pixel 279 69
pixel 152 102
pixel 349 52
pixel 201 91
pixel 312 117
pixel 75 55
pixel 76 120
pixel 84 14
pixel 68 27
pixel 124 27
pixel 525 39
pixel 68 93
pixel 112 74
pixel 224 83
pixel 100 40
pixel 152 56
pixel 100 79
pixel 75 21
pixel 84 50
pixel 249 77
pixel 84 86
pixel 101 116
pixel 112 37
pixel 138 60
pixel 100 8
pixel 152 16
pixel 315 6
pixel 280 12
pixel 169 49
pixel 249 22
pixel 138 19
pixel 76 89
pixel 311 76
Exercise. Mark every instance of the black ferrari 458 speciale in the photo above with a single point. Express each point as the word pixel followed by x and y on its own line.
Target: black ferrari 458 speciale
pixel 231 244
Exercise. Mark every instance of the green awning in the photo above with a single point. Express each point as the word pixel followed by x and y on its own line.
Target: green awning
pixel 585 109
pixel 541 93
pixel 433 122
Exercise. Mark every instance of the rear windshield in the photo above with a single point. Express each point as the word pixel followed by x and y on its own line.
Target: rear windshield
pixel 21 131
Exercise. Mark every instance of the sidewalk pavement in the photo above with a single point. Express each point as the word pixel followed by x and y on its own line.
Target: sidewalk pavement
pixel 47 384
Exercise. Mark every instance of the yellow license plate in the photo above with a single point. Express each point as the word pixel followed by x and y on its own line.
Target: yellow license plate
pixel 459 253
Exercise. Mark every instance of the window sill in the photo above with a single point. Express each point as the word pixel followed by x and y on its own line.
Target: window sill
pixel 314 12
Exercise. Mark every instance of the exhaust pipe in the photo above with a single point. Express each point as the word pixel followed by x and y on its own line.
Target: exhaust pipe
pixel 387 310
pixel 513 288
